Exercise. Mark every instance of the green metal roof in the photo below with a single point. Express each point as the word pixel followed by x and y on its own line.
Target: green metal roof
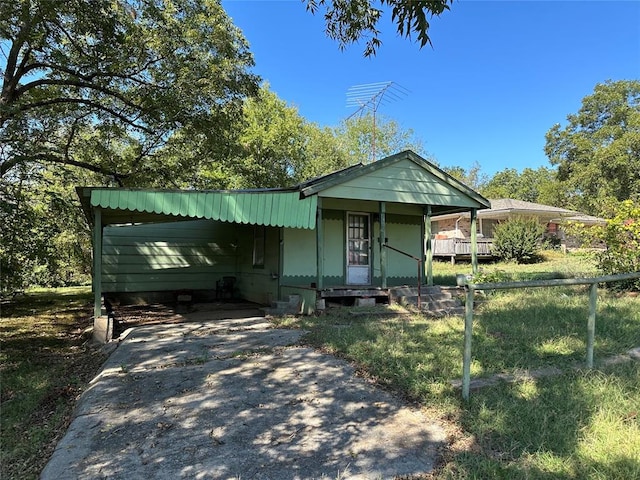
pixel 271 208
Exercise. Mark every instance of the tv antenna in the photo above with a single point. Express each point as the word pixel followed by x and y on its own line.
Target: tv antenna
pixel 369 96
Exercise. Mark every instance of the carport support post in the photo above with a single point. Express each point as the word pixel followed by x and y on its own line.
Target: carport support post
pixel 319 247
pixel 97 263
pixel 428 252
pixel 383 241
pixel 102 323
pixel 474 240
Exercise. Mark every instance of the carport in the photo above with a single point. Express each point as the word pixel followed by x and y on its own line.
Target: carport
pixel 356 232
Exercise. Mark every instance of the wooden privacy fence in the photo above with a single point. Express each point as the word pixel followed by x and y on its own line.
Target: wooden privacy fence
pixel 471 288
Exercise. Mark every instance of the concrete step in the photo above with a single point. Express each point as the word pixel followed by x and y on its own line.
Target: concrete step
pixel 408 291
pixel 291 306
pixel 294 299
pixel 435 301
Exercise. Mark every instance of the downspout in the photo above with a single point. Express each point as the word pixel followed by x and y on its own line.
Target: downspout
pixel 457 233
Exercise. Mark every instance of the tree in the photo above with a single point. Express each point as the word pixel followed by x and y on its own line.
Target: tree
pixel 323 152
pixel 538 186
pixel 118 76
pixel 473 178
pixel 598 152
pixel 126 92
pixel 621 235
pixel 357 139
pixel 350 20
pixel 621 239
pixel 44 240
pixel 272 143
pixel 276 147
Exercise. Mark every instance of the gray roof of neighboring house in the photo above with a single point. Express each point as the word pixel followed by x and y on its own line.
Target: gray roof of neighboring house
pixel 509 206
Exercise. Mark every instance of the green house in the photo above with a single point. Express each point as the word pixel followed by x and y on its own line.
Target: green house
pixel 358 232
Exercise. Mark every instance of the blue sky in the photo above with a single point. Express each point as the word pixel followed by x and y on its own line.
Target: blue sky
pixel 500 74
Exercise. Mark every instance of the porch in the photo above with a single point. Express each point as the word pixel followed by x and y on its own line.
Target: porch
pixel 434 300
pixel 460 248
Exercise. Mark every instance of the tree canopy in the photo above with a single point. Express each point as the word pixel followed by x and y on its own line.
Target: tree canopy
pixel 364 139
pixel 348 21
pixel 104 84
pixel 598 151
pixel 538 186
pixel 473 178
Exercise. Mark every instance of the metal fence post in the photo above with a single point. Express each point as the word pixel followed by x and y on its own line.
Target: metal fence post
pixel 591 323
pixel 468 326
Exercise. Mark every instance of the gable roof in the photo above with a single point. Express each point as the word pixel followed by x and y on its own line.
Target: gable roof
pixel 404 177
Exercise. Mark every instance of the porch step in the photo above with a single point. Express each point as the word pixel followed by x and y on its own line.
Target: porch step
pixel 434 301
pixel 291 306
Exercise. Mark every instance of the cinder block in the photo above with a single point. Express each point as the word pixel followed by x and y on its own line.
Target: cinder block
pixel 365 302
pixel 103 329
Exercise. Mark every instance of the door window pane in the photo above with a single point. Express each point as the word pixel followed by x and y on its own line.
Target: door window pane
pixel 358 252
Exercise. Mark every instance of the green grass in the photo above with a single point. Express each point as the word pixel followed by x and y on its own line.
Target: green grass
pixel 45 362
pixel 554 264
pixel 580 424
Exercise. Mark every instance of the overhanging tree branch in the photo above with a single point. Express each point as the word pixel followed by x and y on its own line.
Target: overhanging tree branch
pixel 98 106
pixel 79 84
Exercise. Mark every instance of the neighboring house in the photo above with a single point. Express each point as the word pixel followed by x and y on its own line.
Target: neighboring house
pixel 452 232
pixel 356 232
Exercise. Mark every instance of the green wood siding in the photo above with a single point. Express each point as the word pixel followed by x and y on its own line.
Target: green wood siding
pixel 258 284
pixel 334 247
pixel 299 247
pixel 168 256
pixel 401 182
pixel 407 238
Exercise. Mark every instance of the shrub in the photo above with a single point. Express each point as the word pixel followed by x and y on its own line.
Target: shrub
pixel 621 236
pixel 518 240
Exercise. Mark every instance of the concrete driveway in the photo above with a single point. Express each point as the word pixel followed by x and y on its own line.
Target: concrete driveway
pixel 237 399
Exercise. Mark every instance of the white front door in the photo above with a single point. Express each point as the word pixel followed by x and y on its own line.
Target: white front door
pixel 358 249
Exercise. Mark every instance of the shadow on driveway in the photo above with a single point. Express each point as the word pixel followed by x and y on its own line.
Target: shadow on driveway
pixel 237 399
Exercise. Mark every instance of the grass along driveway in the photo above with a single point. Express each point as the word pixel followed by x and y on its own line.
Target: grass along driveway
pixel 581 424
pixel 45 363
